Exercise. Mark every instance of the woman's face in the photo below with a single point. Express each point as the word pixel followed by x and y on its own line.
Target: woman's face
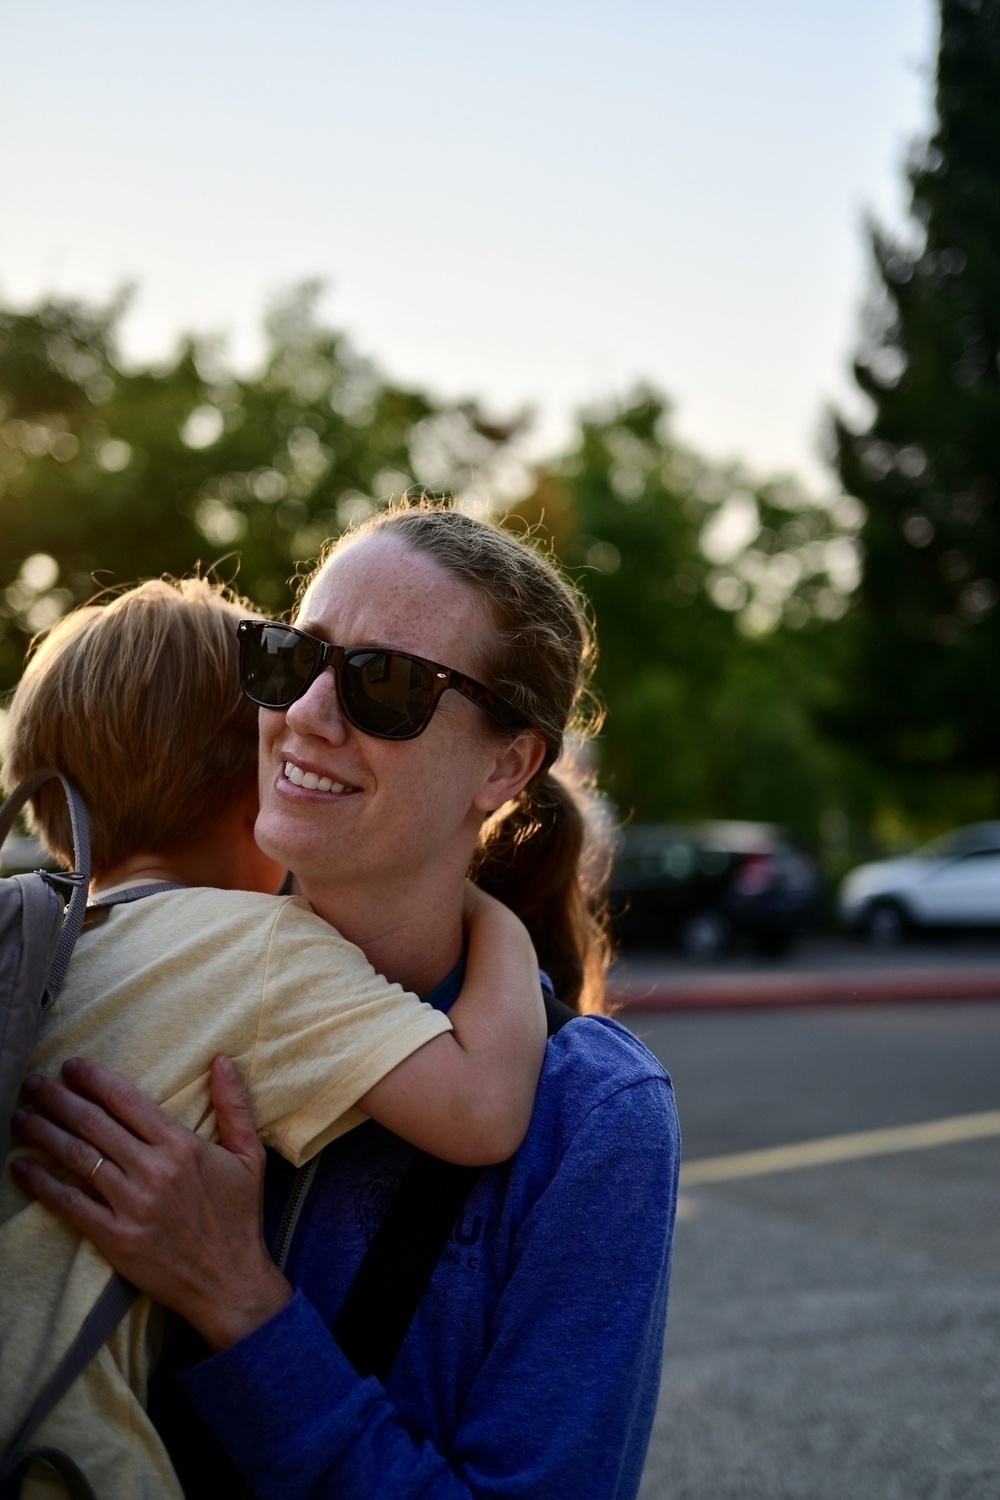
pixel 398 809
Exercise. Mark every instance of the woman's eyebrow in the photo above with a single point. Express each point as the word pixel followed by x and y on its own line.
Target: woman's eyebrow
pixel 371 645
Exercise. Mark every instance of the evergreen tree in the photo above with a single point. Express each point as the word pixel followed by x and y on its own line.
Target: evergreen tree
pixel 923 692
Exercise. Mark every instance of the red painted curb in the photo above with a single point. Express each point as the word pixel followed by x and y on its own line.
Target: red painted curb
pixel 722 991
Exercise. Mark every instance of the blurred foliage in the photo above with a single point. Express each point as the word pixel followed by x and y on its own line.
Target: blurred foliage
pixel 722 603
pixel 108 475
pixel 921 692
pixel 690 569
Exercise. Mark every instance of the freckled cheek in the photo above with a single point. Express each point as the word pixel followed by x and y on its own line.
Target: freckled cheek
pixel 270 726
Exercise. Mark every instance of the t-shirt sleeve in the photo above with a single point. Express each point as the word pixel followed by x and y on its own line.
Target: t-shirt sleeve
pixel 329 1028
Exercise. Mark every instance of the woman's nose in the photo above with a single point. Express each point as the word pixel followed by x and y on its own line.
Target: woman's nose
pixel 318 711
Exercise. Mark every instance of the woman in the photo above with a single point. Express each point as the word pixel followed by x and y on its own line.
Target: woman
pixel 137 701
pixel 532 1364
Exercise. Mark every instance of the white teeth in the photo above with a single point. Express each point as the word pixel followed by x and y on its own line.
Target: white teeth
pixel 310 779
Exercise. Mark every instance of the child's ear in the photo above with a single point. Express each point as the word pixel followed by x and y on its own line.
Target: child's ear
pixel 248 800
pixel 256 870
pixel 513 768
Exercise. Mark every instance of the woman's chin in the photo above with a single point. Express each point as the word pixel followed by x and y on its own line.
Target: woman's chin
pixel 282 836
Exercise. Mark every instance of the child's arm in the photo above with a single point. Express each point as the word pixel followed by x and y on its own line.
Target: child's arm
pixel 467 1096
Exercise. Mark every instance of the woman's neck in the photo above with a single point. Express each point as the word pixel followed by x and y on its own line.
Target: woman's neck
pixel 413 938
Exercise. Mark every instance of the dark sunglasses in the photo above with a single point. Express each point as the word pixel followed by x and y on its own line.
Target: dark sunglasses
pixel 388 694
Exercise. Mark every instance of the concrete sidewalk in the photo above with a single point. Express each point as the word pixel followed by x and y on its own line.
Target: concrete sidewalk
pixel 821 973
pixel 703 991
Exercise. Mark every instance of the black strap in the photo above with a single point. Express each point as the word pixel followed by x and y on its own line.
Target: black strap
pixel 557 1013
pixel 383 1297
pixel 394 1274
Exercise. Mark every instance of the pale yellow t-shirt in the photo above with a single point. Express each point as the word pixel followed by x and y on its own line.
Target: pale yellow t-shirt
pixel 155 992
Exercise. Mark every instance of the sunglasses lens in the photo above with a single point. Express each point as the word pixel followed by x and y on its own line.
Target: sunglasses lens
pixel 387 694
pixel 277 665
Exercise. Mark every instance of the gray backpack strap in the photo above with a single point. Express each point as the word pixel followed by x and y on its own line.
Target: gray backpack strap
pixel 98 1326
pixel 136 893
pixel 100 1323
pixel 79 879
pixel 42 939
pixel 75 1482
pixel 37 934
pixel 31 917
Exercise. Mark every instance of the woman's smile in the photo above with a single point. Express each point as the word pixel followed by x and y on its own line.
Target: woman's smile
pixel 312 781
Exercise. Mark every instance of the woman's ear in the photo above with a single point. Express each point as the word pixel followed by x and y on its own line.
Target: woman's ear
pixel 515 765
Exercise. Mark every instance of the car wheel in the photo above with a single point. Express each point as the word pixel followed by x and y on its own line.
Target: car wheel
pixel 705 933
pixel 884 923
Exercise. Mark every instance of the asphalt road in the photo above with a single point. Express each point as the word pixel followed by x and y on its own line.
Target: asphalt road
pixel 834 1330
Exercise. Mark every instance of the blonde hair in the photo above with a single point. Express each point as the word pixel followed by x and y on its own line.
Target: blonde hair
pixel 537 650
pixel 138 702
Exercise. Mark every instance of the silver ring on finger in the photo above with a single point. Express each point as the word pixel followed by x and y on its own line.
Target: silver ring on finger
pixel 93 1171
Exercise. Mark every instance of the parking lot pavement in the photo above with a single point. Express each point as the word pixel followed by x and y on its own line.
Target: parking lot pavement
pixel 834 1330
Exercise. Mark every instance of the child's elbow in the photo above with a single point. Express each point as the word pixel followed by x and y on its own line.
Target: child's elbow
pixel 493 1135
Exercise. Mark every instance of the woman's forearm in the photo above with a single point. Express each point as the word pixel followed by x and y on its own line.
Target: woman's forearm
pixel 300 1422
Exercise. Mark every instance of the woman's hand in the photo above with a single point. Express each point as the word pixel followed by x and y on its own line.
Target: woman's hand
pixel 177 1216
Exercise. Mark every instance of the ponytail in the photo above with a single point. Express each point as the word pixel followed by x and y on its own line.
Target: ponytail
pixel 536 857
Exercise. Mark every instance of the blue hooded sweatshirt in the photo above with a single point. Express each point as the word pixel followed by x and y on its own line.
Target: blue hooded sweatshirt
pixel 532 1365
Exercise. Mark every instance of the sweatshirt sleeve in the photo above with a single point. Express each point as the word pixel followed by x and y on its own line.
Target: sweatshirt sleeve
pixel 563 1401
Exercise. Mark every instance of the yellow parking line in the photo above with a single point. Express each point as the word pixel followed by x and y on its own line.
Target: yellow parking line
pixel 834 1148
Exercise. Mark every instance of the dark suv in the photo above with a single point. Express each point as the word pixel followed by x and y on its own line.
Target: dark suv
pixel 707 886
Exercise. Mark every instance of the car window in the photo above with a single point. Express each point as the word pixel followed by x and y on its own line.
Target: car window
pixel 670 861
pixel 713 861
pixel 975 840
pixel 677 861
pixel 945 847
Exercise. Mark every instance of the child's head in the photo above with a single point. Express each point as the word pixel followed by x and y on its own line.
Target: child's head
pixel 138 702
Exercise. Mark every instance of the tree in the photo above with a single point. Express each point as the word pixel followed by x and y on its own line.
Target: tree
pixel 711 591
pixel 704 719
pixel 108 475
pixel 923 691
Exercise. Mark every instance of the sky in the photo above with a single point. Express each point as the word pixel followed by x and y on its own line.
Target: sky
pixel 538 202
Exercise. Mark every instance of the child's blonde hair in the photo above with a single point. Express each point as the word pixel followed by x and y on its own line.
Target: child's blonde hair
pixel 137 701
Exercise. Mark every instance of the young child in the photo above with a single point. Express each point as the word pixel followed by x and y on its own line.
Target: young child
pixel 138 702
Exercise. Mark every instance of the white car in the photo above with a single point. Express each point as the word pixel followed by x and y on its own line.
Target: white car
pixel 953 882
